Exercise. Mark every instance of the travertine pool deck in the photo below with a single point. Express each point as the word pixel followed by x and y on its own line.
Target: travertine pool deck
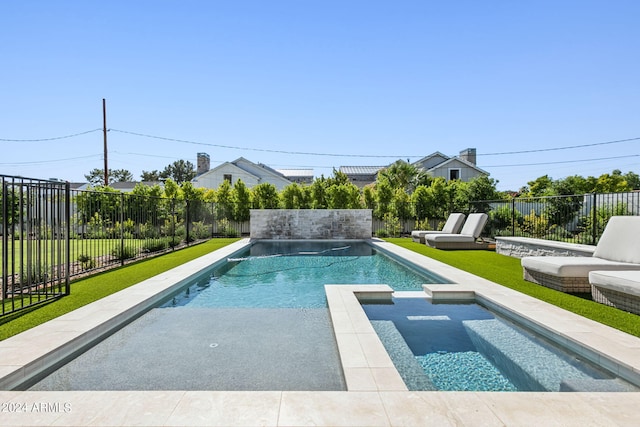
pixel 376 396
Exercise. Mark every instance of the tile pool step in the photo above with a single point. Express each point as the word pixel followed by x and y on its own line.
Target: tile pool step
pixel 528 364
pixel 403 358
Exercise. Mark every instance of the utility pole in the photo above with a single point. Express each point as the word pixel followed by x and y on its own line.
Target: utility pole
pixel 104 131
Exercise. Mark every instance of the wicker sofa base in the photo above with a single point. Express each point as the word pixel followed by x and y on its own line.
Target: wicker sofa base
pixel 570 285
pixel 620 300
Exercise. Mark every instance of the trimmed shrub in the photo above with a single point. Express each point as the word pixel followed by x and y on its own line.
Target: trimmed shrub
pixel 124 252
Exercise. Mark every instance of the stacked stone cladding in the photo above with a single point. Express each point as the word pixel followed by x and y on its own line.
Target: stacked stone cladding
pixel 303 224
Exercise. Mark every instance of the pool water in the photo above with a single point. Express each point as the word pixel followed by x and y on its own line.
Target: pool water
pixel 293 275
pixel 464 347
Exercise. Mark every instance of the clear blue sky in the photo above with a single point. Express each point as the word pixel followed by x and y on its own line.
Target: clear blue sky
pixel 347 80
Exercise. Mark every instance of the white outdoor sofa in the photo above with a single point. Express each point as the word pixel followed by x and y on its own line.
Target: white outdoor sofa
pixel 618 249
pixel 468 238
pixel 620 289
pixel 451 226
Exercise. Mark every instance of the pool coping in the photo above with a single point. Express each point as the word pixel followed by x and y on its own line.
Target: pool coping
pixel 376 395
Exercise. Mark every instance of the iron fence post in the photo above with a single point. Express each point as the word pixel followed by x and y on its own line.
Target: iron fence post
pixel 594 218
pixel 122 255
pixel 67 214
pixel 186 220
pixel 513 217
pixel 5 243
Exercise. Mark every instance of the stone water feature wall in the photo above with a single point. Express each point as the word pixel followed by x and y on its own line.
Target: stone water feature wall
pixel 311 224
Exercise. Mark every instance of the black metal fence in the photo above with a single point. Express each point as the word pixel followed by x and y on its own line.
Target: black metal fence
pixel 35 248
pixel 576 218
pixel 51 234
pixel 111 228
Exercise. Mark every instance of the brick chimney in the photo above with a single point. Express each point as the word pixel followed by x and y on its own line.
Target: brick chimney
pixel 204 164
pixel 469 155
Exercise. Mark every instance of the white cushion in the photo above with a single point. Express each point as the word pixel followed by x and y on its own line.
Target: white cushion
pixel 454 223
pixel 422 233
pixel 569 266
pixel 474 224
pixel 620 240
pixel 449 238
pixel 627 282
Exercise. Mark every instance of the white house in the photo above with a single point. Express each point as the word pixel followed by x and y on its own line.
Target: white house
pixel 250 173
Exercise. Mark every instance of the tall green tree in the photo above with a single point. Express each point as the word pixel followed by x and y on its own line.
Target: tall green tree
pixel 421 202
pixel 319 193
pixel 343 196
pixel 96 176
pixel 225 202
pixel 295 196
pixel 369 197
pixel 151 176
pixel 403 175
pixel 265 196
pixel 384 196
pixel 401 204
pixel 242 198
pixel 180 171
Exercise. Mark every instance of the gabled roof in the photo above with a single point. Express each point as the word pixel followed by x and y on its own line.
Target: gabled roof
pixel 446 163
pixel 258 170
pixel 213 171
pixel 436 154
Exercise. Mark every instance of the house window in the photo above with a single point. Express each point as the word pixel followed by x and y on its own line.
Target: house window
pixel 227 177
pixel 454 174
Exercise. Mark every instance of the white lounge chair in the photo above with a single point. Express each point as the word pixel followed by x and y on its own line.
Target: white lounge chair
pixel 617 249
pixel 466 239
pixel 452 226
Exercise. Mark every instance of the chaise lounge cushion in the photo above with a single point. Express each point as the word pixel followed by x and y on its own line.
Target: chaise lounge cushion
pixel 451 226
pixel 620 240
pixel 567 266
pixel 627 282
pixel 618 249
pixel 470 232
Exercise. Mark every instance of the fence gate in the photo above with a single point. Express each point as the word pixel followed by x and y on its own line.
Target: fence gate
pixel 34 224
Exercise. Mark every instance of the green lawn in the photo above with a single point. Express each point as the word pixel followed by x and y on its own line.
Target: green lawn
pixel 507 271
pixel 52 250
pixel 85 291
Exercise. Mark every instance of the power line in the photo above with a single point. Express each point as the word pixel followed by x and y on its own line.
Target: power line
pixel 559 148
pixel 365 155
pixel 52 138
pixel 313 153
pixel 38 162
pixel 253 149
pixel 566 161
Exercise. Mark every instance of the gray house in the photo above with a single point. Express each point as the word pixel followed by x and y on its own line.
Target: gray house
pixel 462 167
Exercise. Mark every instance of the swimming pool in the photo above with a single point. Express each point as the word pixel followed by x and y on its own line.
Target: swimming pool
pixel 240 337
pixel 256 322
pixel 465 347
pixel 293 275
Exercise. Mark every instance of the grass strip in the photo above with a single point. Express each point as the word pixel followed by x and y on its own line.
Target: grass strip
pixel 88 290
pixel 507 271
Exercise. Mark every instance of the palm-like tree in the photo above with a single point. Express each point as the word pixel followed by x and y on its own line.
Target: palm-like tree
pixel 403 175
